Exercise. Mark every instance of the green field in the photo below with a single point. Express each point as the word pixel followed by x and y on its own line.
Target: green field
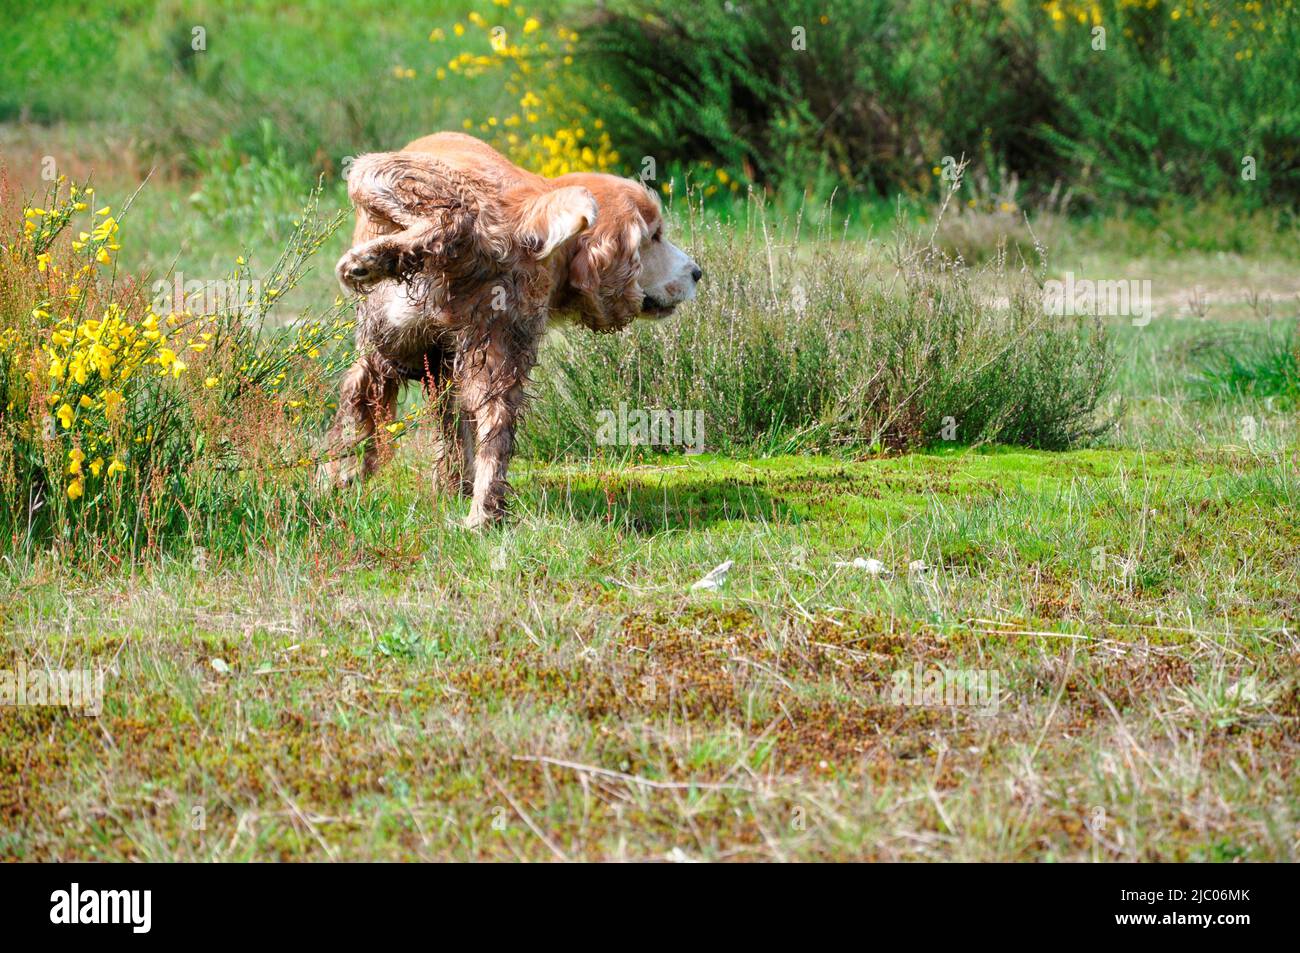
pixel 1085 534
pixel 394 687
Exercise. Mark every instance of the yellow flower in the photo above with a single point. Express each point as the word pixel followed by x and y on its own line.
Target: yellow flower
pixel 75 456
pixel 42 261
pixel 116 467
pixel 96 465
pixel 105 229
pixel 210 382
pixel 395 428
pixel 75 489
pixel 113 402
pixel 531 25
pixel 65 416
pixel 85 402
pixel 458 29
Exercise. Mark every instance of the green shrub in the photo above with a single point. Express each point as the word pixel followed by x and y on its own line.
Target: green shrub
pixel 884 89
pixel 869 93
pixel 1175 106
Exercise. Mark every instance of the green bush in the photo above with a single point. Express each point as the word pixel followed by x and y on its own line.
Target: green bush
pixel 870 93
pixel 884 89
pixel 1175 106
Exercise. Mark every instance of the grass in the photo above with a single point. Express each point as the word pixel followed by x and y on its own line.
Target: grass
pixel 1259 362
pixel 355 677
pixel 397 688
pixel 352 676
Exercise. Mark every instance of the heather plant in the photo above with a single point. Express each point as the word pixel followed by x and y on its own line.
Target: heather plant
pixel 829 344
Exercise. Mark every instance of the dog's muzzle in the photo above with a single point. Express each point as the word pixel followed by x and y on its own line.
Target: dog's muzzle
pixel 655 309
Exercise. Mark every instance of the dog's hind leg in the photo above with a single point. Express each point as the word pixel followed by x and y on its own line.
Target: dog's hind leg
pixel 492 374
pixel 386 257
pixel 367 398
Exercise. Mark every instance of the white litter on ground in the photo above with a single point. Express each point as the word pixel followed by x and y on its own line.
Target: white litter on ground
pixel 715 577
pixel 874 566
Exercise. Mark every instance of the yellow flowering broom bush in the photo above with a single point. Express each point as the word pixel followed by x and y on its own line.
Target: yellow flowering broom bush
pixel 119 419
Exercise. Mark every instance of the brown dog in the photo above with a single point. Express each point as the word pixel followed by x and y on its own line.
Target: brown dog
pixel 461 259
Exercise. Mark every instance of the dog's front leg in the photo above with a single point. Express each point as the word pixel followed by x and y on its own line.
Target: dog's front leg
pixel 493 372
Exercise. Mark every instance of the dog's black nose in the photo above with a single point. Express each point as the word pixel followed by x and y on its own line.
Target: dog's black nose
pixel 696 274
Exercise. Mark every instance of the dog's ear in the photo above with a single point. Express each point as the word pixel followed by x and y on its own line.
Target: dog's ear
pixel 547 220
pixel 606 269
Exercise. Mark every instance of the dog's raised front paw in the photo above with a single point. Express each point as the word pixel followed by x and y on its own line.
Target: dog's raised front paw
pixel 364 266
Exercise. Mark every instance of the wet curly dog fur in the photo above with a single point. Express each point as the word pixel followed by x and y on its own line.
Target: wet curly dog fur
pixel 461 260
